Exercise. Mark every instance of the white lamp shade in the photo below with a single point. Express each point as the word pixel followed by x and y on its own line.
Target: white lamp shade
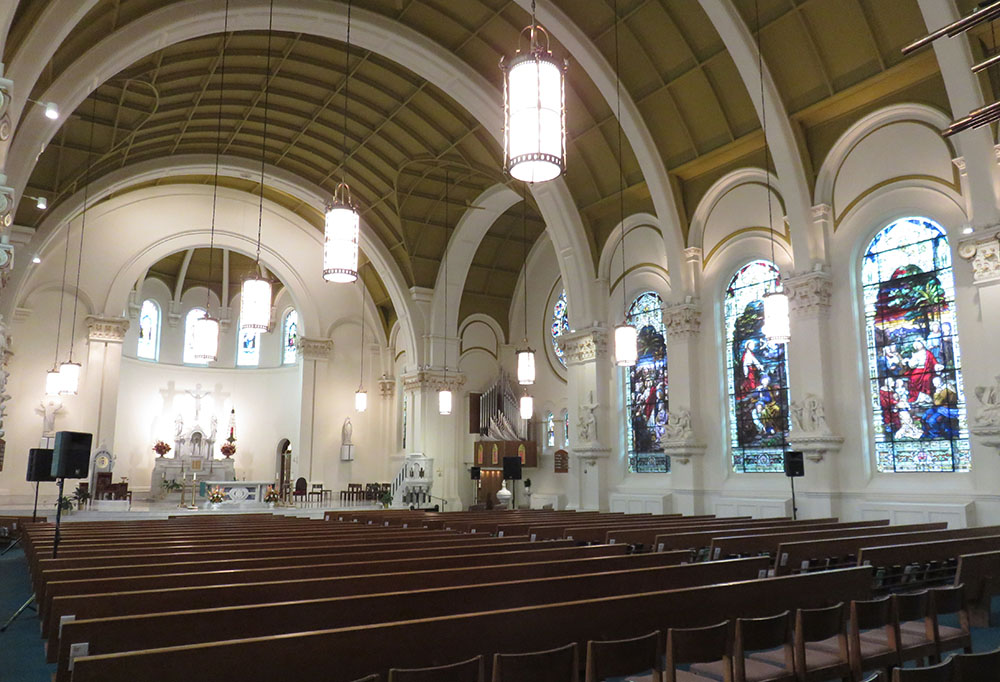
pixel 51 111
pixel 41 203
pixel 626 345
pixel 361 401
pixel 69 375
pixel 340 243
pixel 776 326
pixel 444 402
pixel 255 304
pixel 526 367
pixel 534 117
pixel 205 338
pixel 527 407
pixel 53 382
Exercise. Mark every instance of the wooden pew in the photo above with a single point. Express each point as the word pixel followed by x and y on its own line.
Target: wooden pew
pixel 343 654
pixel 353 565
pixel 980 573
pixel 559 530
pixel 645 538
pixel 799 553
pixel 912 558
pixel 129 633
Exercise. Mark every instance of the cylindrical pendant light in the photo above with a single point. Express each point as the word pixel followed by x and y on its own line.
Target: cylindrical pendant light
pixel 255 304
pixel 534 93
pixel 53 382
pixel 205 338
pixel 527 406
pixel 526 366
pixel 69 377
pixel 626 345
pixel 444 401
pixel 361 401
pixel 340 242
pixel 776 325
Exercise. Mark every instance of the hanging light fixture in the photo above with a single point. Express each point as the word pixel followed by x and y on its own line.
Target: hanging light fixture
pixel 53 378
pixel 53 382
pixel 255 294
pixel 444 395
pixel 776 324
pixel 205 330
pixel 626 336
pixel 343 222
pixel 361 396
pixel 527 406
pixel 534 109
pixel 525 355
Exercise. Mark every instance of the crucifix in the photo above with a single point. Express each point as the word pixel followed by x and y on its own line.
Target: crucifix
pixel 197 394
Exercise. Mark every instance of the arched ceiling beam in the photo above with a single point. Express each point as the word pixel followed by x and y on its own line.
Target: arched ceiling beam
pixel 964 94
pixel 182 275
pixel 374 32
pixel 641 140
pixel 808 242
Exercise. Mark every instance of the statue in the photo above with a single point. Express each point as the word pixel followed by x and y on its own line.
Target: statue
pixel 587 422
pixel 679 426
pixel 178 427
pixel 808 416
pixel 346 432
pixel 989 398
pixel 49 408
pixel 215 428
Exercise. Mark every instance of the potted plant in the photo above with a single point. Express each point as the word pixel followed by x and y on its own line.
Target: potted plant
pixel 168 486
pixel 81 496
pixel 65 503
pixel 386 499
pixel 228 450
pixel 271 496
pixel 216 497
pixel 161 448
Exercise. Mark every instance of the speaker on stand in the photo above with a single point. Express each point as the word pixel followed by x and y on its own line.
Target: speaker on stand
pixel 39 469
pixel 475 473
pixel 512 472
pixel 70 459
pixel 795 467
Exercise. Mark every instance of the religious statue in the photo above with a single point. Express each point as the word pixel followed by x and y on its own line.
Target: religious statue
pixel 346 432
pixel 215 428
pixel 587 422
pixel 679 426
pixel 178 427
pixel 49 408
pixel 808 416
pixel 989 398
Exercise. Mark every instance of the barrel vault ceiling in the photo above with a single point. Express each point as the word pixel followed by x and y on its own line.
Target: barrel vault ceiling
pixel 832 60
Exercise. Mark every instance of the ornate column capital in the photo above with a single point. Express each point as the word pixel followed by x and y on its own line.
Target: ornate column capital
pixel 983 250
pixel 314 349
pixel 432 380
pixel 6 128
pixel 106 329
pixel 585 345
pixel 809 294
pixel 387 386
pixel 679 441
pixel 682 320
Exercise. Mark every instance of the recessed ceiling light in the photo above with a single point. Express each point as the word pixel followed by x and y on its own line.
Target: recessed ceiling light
pixel 968 230
pixel 36 259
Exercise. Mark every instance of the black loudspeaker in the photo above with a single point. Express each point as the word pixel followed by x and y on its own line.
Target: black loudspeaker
pixel 512 468
pixel 71 454
pixel 40 465
pixel 795 466
pixel 476 473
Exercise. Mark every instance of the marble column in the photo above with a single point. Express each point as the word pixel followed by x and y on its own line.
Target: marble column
pixel 589 373
pixel 103 373
pixel 435 435
pixel 315 353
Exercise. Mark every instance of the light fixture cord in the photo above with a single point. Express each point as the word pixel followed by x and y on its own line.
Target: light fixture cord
pixel 263 139
pixel 83 221
pixel 361 283
pixel 621 167
pixel 444 264
pixel 767 151
pixel 62 296
pixel 524 254
pixel 218 153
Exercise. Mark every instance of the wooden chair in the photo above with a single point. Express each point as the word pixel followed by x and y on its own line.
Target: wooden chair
pixel 472 670
pixel 871 636
pixel 554 665
pixel 912 632
pixel 945 601
pixel 711 645
pixel 820 646
pixel 941 672
pixel 621 657
pixel 971 667
pixel 300 489
pixel 317 492
pixel 757 634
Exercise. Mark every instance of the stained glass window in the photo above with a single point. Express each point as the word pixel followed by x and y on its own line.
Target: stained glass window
pixel 645 387
pixel 193 314
pixel 565 421
pixel 404 422
pixel 289 338
pixel 248 348
pixel 550 430
pixel 560 324
pixel 149 330
pixel 756 375
pixel 915 370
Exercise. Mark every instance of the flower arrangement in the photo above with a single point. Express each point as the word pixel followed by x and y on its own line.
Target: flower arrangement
pixel 228 449
pixel 215 495
pixel 161 448
pixel 270 494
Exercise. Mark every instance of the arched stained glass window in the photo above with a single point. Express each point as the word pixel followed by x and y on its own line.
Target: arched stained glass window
pixel 550 430
pixel 646 388
pixel 915 370
pixel 189 320
pixel 757 375
pixel 560 324
pixel 248 348
pixel 565 421
pixel 404 422
pixel 289 338
pixel 148 347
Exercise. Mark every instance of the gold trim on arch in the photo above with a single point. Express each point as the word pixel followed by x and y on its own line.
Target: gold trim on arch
pixel 744 230
pixel 635 267
pixel 956 186
pixel 468 323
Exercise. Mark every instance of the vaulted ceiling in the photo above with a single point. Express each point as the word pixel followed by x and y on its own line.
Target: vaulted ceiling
pixel 832 60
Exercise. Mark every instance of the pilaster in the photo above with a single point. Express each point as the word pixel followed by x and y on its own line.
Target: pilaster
pixel 434 434
pixel 313 353
pixel 105 335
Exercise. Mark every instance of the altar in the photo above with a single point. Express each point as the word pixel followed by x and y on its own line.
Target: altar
pixel 193 455
pixel 237 492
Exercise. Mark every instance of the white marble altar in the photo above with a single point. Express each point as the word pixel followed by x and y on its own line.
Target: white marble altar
pixel 239 492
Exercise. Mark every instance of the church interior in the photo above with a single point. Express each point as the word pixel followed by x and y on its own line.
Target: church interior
pixel 458 323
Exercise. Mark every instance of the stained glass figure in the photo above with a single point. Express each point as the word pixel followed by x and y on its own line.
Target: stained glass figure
pixel 756 375
pixel 149 330
pixel 565 421
pixel 914 364
pixel 248 348
pixel 646 395
pixel 560 324
pixel 189 320
pixel 550 430
pixel 289 338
